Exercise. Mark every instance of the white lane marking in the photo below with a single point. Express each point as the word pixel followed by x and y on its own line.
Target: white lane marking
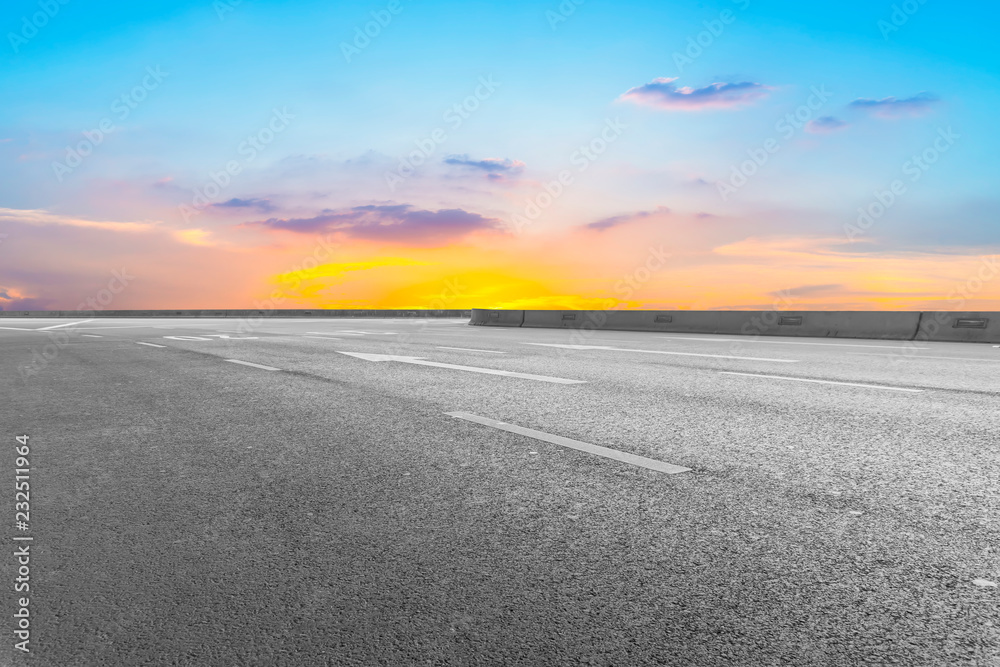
pixel 335 333
pixel 792 342
pixel 139 342
pixel 17 329
pixel 847 384
pixel 920 356
pixel 472 369
pixel 65 324
pixel 615 454
pixel 92 336
pixel 322 337
pixel 469 349
pixel 247 363
pixel 124 326
pixel 678 354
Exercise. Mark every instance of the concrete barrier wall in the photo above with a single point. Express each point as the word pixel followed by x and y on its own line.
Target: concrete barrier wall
pixel 483 317
pixel 892 325
pixel 236 313
pixel 967 327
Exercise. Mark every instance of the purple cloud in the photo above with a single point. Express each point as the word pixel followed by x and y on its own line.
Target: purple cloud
pixel 397 223
pixel 663 94
pixel 262 205
pixel 491 165
pixel 825 125
pixel 890 107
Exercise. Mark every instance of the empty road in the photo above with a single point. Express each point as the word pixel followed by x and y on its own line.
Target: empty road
pixel 424 492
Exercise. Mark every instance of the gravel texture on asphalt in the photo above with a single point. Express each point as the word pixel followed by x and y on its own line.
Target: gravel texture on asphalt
pixel 189 511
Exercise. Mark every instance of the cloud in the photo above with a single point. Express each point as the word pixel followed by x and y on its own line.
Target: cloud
pixel 491 165
pixel 262 205
pixel 41 217
pixel 806 290
pixel 663 94
pixel 825 125
pixel 615 221
pixel 397 223
pixel 890 107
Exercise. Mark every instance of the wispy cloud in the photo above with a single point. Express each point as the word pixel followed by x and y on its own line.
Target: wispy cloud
pixel 615 221
pixel 262 205
pixel 492 165
pixel 807 290
pixel 662 93
pixel 41 217
pixel 891 107
pixel 825 125
pixel 397 223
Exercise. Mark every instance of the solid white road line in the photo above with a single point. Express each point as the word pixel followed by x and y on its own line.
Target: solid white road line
pixel 677 354
pixel 624 457
pixel 920 356
pixel 65 324
pixel 247 363
pixel 469 349
pixel 750 339
pixel 17 329
pixel 139 342
pixel 92 336
pixel 472 369
pixel 847 384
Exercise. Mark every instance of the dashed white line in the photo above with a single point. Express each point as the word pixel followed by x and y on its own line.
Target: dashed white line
pixel 624 457
pixel 247 363
pixel 469 349
pixel 92 336
pixel 65 324
pixel 676 354
pixel 322 337
pixel 139 342
pixel 846 384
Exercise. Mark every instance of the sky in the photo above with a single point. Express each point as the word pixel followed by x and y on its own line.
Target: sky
pixel 736 154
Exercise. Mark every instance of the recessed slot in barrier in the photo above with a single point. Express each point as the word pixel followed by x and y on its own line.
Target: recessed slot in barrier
pixel 790 321
pixel 968 323
pixel 664 318
pixel 569 316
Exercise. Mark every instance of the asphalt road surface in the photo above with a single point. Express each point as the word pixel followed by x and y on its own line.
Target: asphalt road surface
pixel 281 496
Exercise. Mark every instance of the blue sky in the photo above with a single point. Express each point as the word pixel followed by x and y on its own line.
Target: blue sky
pixel 559 73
